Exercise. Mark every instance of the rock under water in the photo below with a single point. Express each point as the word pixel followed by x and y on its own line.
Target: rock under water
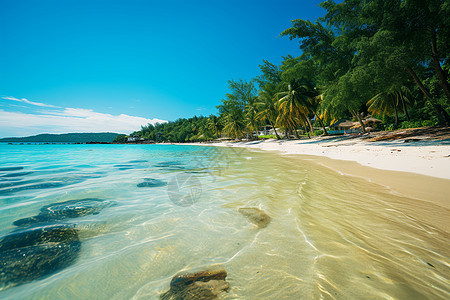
pixel 66 210
pixel 150 182
pixel 198 285
pixel 37 252
pixel 6 169
pixel 256 216
pixel 169 165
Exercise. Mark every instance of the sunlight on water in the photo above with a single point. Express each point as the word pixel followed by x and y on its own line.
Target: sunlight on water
pixel 162 209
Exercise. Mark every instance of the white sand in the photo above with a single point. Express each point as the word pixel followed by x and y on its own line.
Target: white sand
pixel 431 158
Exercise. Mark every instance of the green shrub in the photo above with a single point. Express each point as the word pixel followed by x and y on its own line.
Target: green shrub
pixel 318 132
pixel 268 136
pixel 406 124
pixel 121 138
pixel 428 123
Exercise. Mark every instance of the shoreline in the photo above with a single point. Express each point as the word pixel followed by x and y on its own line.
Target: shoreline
pixel 418 172
pixel 425 157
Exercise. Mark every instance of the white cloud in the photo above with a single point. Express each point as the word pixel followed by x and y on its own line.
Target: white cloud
pixel 29 102
pixel 68 120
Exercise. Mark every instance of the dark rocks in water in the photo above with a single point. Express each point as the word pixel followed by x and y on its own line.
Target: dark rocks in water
pixel 124 167
pixel 198 285
pixel 150 182
pixel 37 252
pixel 169 165
pixel 256 216
pixel 19 174
pixel 66 210
pixel 6 169
pixel 180 281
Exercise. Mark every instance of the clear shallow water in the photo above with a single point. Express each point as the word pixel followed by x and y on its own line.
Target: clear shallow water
pixel 331 236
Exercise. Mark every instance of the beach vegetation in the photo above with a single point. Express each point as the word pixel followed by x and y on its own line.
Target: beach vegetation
pixel 387 60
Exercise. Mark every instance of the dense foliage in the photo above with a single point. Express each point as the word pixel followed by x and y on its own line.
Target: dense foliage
pixel 181 130
pixel 385 58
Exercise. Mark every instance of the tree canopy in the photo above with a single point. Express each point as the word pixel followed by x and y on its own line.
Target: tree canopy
pixel 383 58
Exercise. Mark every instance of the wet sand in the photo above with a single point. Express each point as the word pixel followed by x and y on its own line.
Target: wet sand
pixel 430 194
pixel 431 158
pixel 419 170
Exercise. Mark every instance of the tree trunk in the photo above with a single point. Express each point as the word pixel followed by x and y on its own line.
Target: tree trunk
pixel 437 66
pixel 356 114
pixel 442 115
pixel 296 134
pixel 286 133
pixel 396 116
pixel 278 137
pixel 321 124
pixel 311 129
pixel 405 110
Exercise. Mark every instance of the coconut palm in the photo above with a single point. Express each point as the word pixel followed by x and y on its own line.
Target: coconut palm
pixel 267 106
pixel 234 125
pixel 214 125
pixel 386 103
pixel 252 122
pixel 293 106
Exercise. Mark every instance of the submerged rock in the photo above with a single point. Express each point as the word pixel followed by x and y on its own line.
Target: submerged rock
pixel 198 285
pixel 167 164
pixel 124 167
pixel 256 216
pixel 5 169
pixel 170 165
pixel 150 182
pixel 65 210
pixel 37 252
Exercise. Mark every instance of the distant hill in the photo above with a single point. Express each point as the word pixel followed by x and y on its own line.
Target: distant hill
pixel 102 137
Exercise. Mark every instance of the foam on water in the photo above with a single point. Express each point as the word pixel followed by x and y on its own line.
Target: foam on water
pixel 330 236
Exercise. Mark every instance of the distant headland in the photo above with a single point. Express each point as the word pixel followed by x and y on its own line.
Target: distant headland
pixel 101 137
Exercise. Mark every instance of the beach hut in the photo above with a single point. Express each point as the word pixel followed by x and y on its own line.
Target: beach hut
pixel 371 120
pixel 369 123
pixel 342 126
pixel 133 138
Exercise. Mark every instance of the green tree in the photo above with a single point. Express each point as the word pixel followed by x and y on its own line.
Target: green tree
pixel 267 106
pixel 233 109
pixel 386 103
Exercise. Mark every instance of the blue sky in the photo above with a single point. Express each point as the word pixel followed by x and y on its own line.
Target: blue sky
pixel 113 65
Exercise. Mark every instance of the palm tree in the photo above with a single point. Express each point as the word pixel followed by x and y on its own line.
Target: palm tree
pixel 213 124
pixel 251 112
pixel 316 100
pixel 293 106
pixel 386 103
pixel 267 106
pixel 233 124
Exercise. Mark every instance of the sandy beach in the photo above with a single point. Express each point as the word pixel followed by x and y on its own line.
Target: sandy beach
pixel 418 169
pixel 425 157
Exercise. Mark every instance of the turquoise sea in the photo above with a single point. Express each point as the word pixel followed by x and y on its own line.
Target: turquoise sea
pixel 156 210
